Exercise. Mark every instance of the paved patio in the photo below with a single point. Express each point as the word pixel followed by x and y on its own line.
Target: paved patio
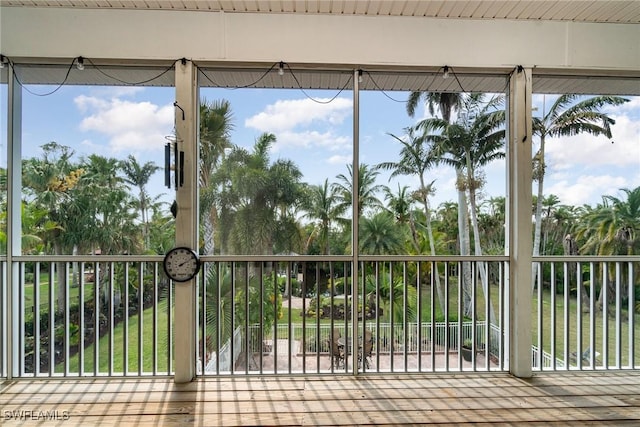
pixel 320 363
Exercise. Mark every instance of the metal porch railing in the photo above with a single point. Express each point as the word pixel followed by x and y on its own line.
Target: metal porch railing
pixel 113 315
pixel 588 313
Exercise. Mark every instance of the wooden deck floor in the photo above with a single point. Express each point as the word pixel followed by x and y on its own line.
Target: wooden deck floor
pixel 579 399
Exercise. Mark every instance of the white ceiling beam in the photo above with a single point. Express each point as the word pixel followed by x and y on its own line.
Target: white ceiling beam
pixel 389 41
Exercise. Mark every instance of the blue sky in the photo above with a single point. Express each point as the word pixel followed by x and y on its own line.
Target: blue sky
pixel 313 132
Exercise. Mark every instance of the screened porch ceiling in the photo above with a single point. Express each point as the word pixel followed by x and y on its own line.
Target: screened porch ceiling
pixel 339 76
pixel 611 11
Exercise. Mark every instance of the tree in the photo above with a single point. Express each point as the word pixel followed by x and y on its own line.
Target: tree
pixel 474 141
pixel 417 156
pixel 321 207
pixel 569 115
pixel 396 299
pixel 446 103
pixel 260 199
pixel 400 205
pixel 613 228
pixel 492 222
pixel 112 213
pixel 34 225
pixel 139 176
pixel 111 206
pixel 549 204
pixel 367 189
pixel 447 217
pixel 215 132
pixel 48 183
pixel 379 235
pixel 162 235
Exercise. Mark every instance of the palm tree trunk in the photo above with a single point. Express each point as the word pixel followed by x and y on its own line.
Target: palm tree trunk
pixel 60 279
pixel 477 245
pixel 414 233
pixel 465 245
pixel 432 246
pixel 75 268
pixel 570 248
pixel 538 227
pixel 209 245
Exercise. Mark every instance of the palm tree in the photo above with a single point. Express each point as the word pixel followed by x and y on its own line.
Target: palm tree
pixel 613 228
pixel 476 140
pixel 390 291
pixel 566 117
pixel 400 205
pixel 446 104
pixel 379 235
pixel 112 206
pixel 549 204
pixel 162 235
pixel 139 176
pixel 367 189
pixel 322 209
pixel 417 156
pixel 447 217
pixel 48 182
pixel 112 214
pixel 35 226
pixel 260 198
pixel 215 133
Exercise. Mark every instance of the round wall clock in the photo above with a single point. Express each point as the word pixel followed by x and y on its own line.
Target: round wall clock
pixel 181 264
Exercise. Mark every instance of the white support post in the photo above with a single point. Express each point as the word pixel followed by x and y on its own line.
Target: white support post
pixel 14 221
pixel 519 228
pixel 186 119
pixel 355 221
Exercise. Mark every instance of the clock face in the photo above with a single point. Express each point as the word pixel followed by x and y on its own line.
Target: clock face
pixel 181 264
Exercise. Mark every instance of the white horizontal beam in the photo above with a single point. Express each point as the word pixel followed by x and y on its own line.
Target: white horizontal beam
pixel 316 39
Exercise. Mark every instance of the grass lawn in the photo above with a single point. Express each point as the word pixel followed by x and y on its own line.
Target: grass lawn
pixel 563 347
pixel 74 294
pixel 161 355
pixel 162 352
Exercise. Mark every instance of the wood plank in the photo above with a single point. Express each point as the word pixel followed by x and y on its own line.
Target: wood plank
pixel 322 394
pixel 114 385
pixel 385 417
pixel 494 399
pixel 311 406
pixel 80 385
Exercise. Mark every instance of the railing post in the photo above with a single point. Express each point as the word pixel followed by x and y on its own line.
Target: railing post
pixel 186 119
pixel 519 229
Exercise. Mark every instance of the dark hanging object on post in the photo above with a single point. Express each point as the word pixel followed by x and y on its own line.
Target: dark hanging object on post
pixel 174 209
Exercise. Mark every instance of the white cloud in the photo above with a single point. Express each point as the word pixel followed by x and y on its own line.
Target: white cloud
pixel 586 188
pixel 327 140
pixel 339 160
pixel 92 147
pixel 131 126
pixel 86 103
pixel 115 91
pixel 286 115
pixel 631 107
pixel 591 151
